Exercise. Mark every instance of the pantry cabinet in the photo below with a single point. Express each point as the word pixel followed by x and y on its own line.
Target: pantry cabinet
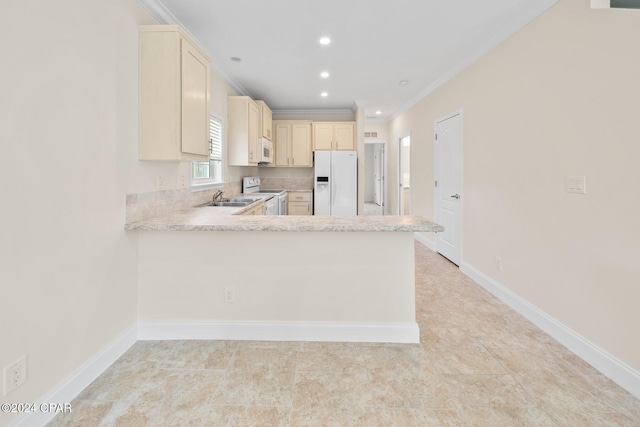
pixel 266 120
pixel 293 147
pixel 334 136
pixel 243 120
pixel 174 95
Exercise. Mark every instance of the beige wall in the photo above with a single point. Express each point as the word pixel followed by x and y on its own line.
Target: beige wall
pixel 560 97
pixel 68 157
pixel 381 128
pixel 278 277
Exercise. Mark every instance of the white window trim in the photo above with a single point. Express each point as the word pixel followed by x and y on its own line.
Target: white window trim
pixel 208 184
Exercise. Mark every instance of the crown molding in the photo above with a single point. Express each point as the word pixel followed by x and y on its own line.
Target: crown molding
pixel 164 16
pixel 160 12
pixel 359 104
pixel 317 112
pixel 514 26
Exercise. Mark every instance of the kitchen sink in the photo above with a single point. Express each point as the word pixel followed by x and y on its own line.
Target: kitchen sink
pixel 245 199
pixel 237 202
pixel 231 204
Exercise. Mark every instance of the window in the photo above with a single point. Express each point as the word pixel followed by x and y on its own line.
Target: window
pixel 204 174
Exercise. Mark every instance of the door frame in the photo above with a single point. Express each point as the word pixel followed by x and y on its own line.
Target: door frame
pixel 385 188
pixel 436 170
pixel 401 174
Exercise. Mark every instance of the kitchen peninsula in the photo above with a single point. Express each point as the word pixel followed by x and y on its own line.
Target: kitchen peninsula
pixel 205 274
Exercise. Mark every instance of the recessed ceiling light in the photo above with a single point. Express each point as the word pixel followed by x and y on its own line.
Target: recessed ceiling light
pixel 403 82
pixel 324 94
pixel 235 59
pixel 325 40
pixel 324 75
pixel 378 112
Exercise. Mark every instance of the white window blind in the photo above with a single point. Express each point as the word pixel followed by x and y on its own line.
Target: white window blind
pixel 205 174
pixel 215 127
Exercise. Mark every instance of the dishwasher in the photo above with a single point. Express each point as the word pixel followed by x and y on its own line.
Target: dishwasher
pixel 271 206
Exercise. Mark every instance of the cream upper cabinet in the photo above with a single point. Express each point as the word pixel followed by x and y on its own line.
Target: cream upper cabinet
pixel 174 97
pixel 345 136
pixel 243 120
pixel 293 143
pixel 266 120
pixel 322 136
pixel 334 136
pixel 282 133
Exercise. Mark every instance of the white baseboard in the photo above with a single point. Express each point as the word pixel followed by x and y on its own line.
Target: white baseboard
pixel 262 331
pixel 79 380
pixel 429 244
pixel 619 372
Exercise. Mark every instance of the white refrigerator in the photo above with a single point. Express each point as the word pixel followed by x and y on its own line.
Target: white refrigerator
pixel 335 183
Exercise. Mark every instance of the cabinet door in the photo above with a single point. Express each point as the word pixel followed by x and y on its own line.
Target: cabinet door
pixel 195 101
pixel 253 132
pixel 283 138
pixel 299 208
pixel 345 136
pixel 322 136
pixel 301 152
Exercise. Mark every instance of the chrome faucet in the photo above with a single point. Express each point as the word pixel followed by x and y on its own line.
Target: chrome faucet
pixel 217 196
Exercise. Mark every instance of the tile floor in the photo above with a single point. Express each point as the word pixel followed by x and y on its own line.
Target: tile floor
pixel 372 209
pixel 479 364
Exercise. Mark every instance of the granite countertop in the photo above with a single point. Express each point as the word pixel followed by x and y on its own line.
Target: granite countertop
pixel 222 219
pixel 225 218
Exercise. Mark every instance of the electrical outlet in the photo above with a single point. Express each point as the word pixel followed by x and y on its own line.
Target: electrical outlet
pixel 183 181
pixel 160 181
pixel 230 294
pixel 15 375
pixel 498 263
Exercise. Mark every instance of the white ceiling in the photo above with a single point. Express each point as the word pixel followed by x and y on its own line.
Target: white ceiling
pixel 375 45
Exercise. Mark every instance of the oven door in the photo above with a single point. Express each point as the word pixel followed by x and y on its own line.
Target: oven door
pixel 266 151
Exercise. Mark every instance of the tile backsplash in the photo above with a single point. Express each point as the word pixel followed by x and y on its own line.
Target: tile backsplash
pixel 140 206
pixel 305 183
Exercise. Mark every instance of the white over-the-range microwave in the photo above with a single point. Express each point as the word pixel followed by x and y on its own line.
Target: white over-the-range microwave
pixel 265 151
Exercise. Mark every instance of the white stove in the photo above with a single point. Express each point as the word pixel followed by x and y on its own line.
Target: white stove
pixel 274 206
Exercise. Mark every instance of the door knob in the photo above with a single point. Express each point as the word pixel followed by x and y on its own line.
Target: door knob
pixel 455 196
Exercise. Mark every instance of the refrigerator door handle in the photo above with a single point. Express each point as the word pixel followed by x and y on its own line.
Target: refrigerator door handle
pixel 333 193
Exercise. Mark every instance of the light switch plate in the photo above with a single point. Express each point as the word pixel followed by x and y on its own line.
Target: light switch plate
pixel 577 184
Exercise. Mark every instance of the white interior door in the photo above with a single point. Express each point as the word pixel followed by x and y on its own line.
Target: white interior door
pixel 377 174
pixel 448 191
pixel 404 178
